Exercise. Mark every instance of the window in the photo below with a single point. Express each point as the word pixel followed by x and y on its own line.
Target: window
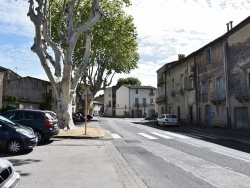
pixel 172 84
pixel 144 102
pixel 170 109
pixel 182 82
pixel 136 101
pixel 216 53
pixel 136 91
pixel 109 95
pixel 109 103
pixel 220 87
pixel 151 102
pixel 208 56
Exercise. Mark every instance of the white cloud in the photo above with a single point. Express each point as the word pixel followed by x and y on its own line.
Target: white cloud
pixel 165 28
pixel 14 19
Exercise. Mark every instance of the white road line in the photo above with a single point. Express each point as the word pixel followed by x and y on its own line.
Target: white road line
pixel 175 135
pixel 204 135
pixel 161 135
pixel 147 136
pixel 189 143
pixel 191 136
pixel 115 136
pixel 231 156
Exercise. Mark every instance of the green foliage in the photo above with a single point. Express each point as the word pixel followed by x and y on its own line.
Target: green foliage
pixel 128 81
pixel 48 100
pixel 6 108
pixel 10 98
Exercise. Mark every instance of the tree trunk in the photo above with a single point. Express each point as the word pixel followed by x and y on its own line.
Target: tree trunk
pixel 64 111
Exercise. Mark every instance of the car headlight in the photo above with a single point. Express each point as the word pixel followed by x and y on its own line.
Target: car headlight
pixel 27 133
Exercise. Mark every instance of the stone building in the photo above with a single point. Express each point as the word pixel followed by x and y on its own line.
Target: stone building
pixel 211 86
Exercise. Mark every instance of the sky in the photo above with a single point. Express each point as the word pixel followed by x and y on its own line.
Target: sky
pixel 165 29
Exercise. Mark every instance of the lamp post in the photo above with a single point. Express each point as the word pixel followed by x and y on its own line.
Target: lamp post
pixel 88 96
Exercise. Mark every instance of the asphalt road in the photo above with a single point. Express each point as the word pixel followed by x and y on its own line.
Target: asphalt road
pixel 133 154
pixel 171 157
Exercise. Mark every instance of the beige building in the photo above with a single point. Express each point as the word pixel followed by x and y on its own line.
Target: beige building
pixel 211 85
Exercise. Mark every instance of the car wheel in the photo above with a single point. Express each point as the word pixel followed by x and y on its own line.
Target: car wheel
pixel 157 123
pixel 15 146
pixel 39 136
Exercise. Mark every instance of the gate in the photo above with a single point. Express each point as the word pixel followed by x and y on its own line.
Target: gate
pixel 241 120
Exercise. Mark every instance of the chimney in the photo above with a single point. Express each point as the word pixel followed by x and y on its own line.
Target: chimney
pixel 227 26
pixel 181 56
pixel 231 24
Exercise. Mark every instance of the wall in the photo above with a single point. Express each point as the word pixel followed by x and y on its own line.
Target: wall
pixel 180 91
pixel 108 97
pixel 239 73
pixel 122 101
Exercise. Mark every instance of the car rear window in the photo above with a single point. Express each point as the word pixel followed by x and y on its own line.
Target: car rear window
pixel 171 116
pixel 49 116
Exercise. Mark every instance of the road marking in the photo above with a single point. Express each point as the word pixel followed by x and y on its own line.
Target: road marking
pixel 161 135
pixel 231 156
pixel 189 143
pixel 191 135
pixel 204 135
pixel 147 136
pixel 243 141
pixel 115 136
pixel 175 135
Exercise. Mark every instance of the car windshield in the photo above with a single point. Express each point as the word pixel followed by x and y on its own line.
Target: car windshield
pixel 8 122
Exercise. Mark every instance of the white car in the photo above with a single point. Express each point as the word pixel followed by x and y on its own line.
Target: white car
pixel 8 177
pixel 168 119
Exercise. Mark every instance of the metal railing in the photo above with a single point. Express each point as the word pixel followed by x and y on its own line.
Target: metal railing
pixel 242 90
pixel 217 96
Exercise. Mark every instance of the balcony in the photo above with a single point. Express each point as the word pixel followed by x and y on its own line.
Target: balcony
pixel 204 97
pixel 160 81
pixel 242 91
pixel 217 96
pixel 160 98
pixel 143 105
pixel 151 94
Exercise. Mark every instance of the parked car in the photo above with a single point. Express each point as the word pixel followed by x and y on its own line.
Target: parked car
pixel 81 114
pixel 44 125
pixel 168 119
pixel 14 137
pixel 8 177
pixel 76 117
pixel 53 114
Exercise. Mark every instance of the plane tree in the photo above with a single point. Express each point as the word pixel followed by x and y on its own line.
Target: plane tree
pixel 55 45
pixel 114 46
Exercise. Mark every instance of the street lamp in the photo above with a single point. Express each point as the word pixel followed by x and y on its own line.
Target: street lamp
pixel 88 96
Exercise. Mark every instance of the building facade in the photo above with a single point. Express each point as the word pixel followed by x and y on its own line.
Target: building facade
pixel 210 86
pixel 130 101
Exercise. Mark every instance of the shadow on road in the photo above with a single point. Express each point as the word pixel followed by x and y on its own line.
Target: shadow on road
pixel 223 135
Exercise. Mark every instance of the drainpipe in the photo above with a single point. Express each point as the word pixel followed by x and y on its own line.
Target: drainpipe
pixel 225 44
pixel 165 78
pixel 196 91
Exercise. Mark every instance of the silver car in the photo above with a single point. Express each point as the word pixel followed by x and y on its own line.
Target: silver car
pixel 8 177
pixel 168 119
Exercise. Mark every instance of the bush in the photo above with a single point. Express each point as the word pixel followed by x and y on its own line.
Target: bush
pixel 6 108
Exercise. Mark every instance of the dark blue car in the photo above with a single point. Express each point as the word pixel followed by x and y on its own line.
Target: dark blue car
pixel 44 125
pixel 14 137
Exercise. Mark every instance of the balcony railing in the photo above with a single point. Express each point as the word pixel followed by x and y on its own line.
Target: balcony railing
pixel 160 98
pixel 217 96
pixel 242 90
pixel 160 81
pixel 151 94
pixel 204 97
pixel 143 105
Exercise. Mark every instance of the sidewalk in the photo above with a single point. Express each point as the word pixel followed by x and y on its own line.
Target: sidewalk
pixel 93 131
